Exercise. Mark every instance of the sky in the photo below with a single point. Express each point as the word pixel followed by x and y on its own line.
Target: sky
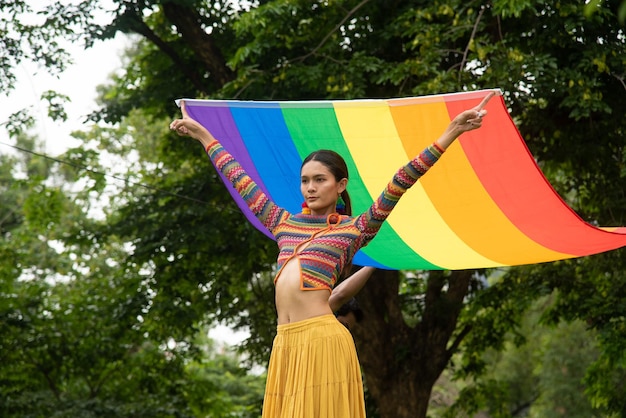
pixel 78 82
pixel 91 68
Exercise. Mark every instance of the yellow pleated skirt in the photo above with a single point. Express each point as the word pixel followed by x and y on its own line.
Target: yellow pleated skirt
pixel 314 372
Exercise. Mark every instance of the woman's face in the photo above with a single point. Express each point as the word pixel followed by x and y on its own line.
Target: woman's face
pixel 319 188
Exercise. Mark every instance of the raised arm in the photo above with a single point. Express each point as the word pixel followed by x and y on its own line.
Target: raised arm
pixel 371 221
pixel 348 288
pixel 263 208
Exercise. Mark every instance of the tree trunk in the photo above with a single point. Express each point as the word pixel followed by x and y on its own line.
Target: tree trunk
pixel 401 362
pixel 187 22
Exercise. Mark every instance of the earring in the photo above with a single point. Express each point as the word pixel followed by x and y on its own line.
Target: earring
pixel 340 207
pixel 305 209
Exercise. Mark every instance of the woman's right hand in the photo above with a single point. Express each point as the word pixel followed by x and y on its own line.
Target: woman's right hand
pixel 186 126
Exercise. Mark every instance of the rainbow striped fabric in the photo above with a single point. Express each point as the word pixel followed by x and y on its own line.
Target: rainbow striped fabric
pixel 485 204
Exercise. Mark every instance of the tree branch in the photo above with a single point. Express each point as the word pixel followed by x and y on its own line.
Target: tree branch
pixel 188 23
pixel 458 339
pixel 333 30
pixel 135 24
pixel 474 29
pixel 620 79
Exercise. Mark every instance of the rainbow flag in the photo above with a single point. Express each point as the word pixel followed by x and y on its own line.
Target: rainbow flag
pixel 485 204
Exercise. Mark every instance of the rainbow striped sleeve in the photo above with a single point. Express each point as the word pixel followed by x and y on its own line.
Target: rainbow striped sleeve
pixel 263 208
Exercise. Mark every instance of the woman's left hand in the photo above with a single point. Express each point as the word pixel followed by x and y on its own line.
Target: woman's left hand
pixel 465 121
pixel 473 118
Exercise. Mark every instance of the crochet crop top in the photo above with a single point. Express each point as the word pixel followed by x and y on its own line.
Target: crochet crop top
pixel 330 241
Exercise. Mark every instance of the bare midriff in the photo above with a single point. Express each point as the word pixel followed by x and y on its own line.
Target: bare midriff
pixel 294 304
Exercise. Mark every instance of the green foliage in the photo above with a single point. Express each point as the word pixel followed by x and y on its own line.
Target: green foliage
pixel 566 355
pixel 19 122
pixel 561 83
pixel 22 39
pixel 542 375
pixel 594 5
pixel 233 391
pixel 43 207
pixel 55 101
pixel 76 333
pixel 516 8
pixel 605 384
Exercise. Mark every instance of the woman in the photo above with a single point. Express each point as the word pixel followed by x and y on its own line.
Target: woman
pixel 313 369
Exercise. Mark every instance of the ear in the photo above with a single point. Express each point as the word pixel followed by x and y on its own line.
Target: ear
pixel 343 183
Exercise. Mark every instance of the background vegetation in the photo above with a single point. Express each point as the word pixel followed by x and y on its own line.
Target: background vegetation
pixel 108 287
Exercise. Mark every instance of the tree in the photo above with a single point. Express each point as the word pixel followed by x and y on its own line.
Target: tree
pixel 539 373
pixel 68 316
pixel 73 339
pixel 296 50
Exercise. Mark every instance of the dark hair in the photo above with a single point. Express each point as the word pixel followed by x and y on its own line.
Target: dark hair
pixel 351 306
pixel 337 166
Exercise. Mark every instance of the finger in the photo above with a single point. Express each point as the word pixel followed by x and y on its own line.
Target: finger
pixel 485 101
pixel 475 118
pixel 177 126
pixel 183 109
pixel 475 115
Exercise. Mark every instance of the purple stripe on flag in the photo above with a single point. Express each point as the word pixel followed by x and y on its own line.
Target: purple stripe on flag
pixel 224 128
